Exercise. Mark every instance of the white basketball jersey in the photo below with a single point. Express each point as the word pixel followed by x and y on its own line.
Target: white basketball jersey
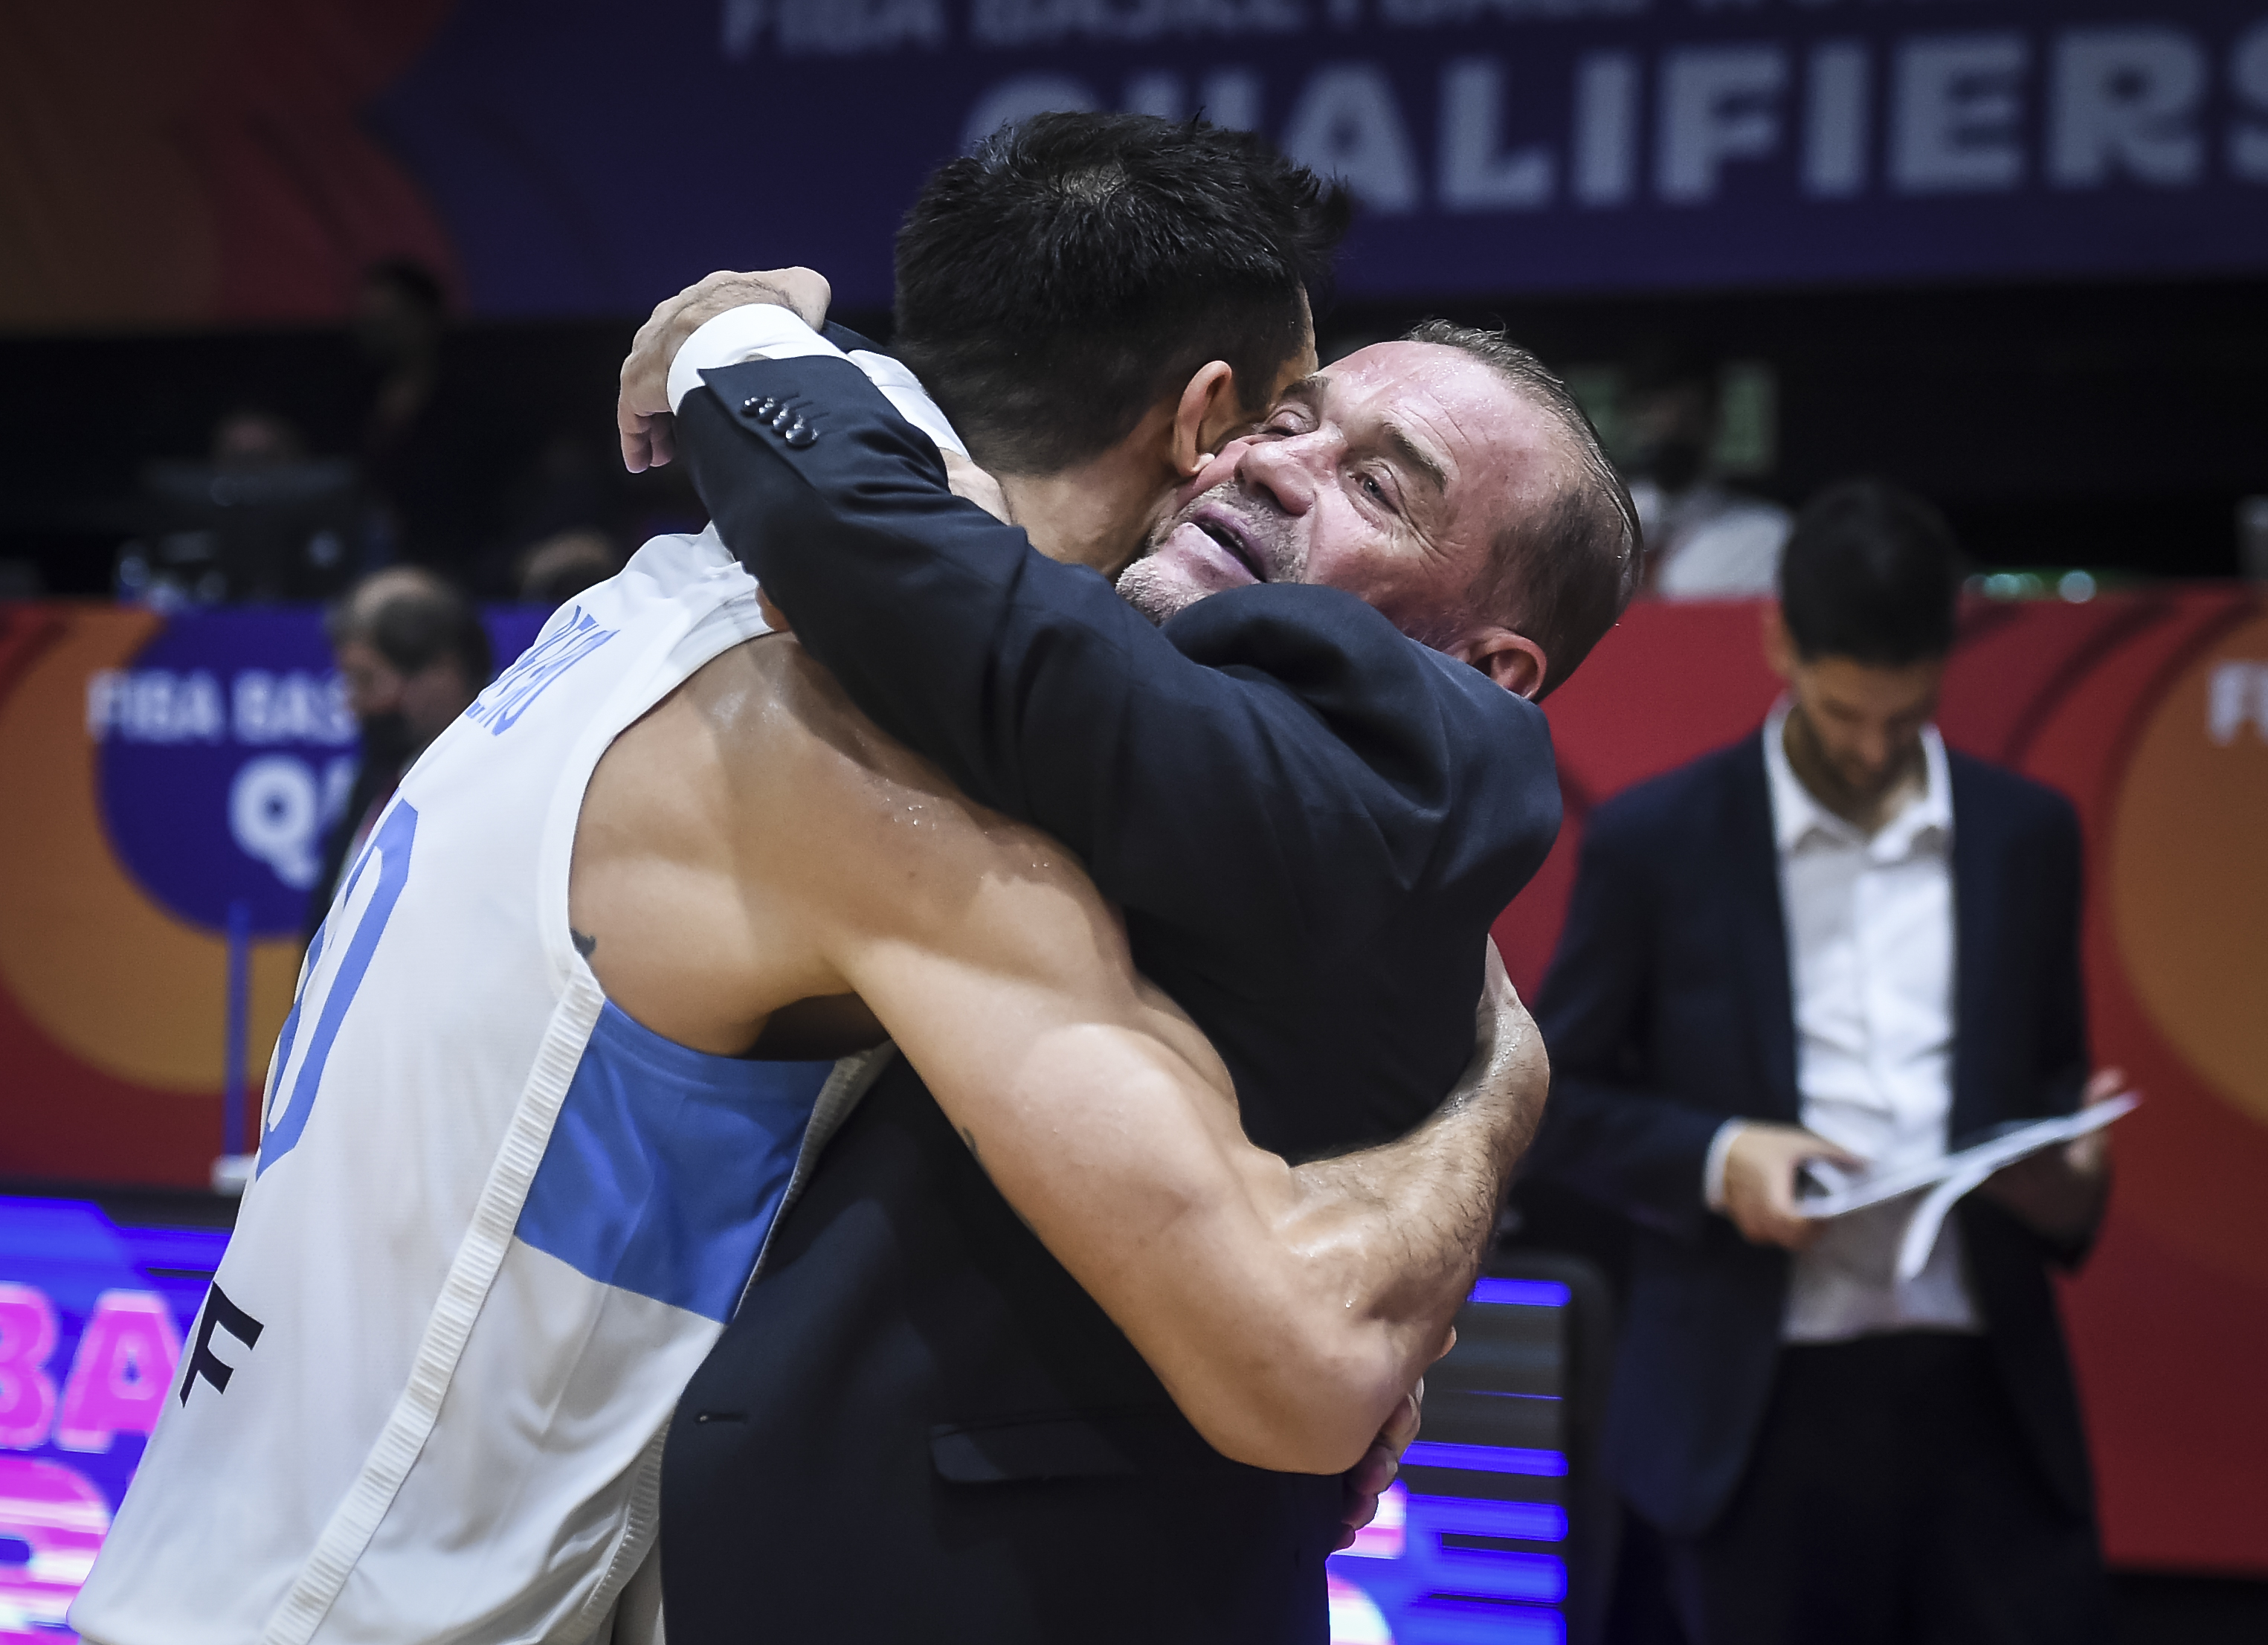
pixel 497 1224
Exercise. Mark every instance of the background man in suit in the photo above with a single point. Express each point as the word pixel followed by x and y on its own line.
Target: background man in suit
pixel 1835 939
pixel 1307 817
pixel 413 653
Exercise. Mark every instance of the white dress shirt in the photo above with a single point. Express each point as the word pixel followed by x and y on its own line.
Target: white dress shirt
pixel 1870 946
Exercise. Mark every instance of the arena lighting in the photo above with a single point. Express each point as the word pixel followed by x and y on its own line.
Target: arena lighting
pixel 1484 1459
pixel 1521 1293
pixel 1470 1544
pixel 92 1317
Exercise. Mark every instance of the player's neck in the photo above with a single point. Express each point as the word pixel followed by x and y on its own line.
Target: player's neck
pixel 1097 513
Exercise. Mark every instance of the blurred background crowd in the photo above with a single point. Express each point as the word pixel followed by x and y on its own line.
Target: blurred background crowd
pixel 2114 430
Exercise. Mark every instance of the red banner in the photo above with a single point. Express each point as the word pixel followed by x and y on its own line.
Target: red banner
pixel 2150 711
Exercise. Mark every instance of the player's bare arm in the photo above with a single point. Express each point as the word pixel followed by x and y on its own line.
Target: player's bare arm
pixel 755 842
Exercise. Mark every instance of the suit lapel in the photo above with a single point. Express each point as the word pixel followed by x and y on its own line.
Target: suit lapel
pixel 1976 930
pixel 1751 860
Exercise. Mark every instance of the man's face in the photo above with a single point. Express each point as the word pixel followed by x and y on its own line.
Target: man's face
pixel 401 712
pixel 374 684
pixel 1386 475
pixel 1863 720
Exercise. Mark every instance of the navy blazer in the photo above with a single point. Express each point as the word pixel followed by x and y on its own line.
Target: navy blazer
pixel 1310 821
pixel 1668 1011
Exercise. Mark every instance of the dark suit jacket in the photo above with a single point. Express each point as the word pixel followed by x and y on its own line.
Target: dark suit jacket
pixel 375 780
pixel 1668 1010
pixel 919 1425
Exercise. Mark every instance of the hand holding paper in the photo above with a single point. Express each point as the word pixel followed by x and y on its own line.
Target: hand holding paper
pixel 1762 1165
pixel 2060 1192
pixel 1939 1184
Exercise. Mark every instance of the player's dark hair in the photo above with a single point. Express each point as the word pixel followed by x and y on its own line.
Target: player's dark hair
pixel 1870 573
pixel 1077 268
pixel 1561 576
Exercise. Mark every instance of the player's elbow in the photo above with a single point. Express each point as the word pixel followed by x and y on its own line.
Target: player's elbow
pixel 1312 1407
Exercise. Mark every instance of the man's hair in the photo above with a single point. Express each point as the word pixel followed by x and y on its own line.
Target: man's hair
pixel 1870 573
pixel 1077 268
pixel 413 619
pixel 1561 577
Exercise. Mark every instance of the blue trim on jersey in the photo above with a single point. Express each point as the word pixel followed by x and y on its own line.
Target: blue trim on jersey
pixel 390 846
pixel 668 1165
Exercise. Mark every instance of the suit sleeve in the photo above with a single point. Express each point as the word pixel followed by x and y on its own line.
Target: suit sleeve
pixel 1228 773
pixel 847 340
pixel 2062 1056
pixel 2062 1052
pixel 1638 1151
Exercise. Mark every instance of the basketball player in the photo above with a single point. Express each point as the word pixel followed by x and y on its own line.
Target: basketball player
pixel 499 1218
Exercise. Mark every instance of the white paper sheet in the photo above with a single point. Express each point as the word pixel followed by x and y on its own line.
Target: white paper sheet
pixel 1938 1184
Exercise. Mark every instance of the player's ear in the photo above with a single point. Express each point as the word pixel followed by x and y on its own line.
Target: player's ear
pixel 1207 416
pixel 1512 661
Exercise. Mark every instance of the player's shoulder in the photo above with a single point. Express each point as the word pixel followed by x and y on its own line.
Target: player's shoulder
pixel 779 731
pixel 818 795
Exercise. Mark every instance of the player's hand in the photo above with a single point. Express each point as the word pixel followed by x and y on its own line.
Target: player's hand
pixel 1760 1170
pixel 976 486
pixel 1367 1481
pixel 642 411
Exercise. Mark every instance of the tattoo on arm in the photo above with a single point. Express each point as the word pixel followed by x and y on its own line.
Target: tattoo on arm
pixel 585 946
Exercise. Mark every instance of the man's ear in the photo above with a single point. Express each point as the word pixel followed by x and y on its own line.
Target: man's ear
pixel 1206 417
pixel 1512 661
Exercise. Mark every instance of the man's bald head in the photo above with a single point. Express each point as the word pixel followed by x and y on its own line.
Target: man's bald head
pixel 1562 568
pixel 1446 479
pixel 413 650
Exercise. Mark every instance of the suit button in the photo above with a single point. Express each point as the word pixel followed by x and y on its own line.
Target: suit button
pixel 763 407
pixel 782 418
pixel 801 435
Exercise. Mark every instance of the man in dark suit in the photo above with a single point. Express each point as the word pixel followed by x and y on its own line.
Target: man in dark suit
pixel 413 653
pixel 1307 817
pixel 1838 940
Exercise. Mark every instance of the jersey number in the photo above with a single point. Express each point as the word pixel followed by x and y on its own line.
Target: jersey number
pixel 387 855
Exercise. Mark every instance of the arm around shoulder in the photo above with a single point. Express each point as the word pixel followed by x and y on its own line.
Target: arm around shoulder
pixel 1287 1310
pixel 1044 695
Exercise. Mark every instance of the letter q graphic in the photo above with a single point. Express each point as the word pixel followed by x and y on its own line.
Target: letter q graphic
pixel 275 814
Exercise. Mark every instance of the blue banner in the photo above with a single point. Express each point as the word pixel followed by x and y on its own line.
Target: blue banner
pixel 593 158
pixel 225 752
